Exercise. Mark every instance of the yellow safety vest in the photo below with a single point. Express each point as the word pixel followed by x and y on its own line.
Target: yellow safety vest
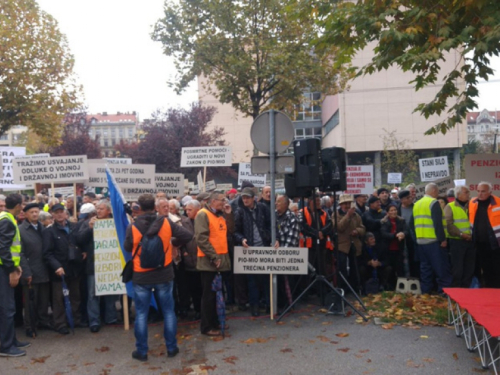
pixel 15 248
pixel 424 226
pixel 460 219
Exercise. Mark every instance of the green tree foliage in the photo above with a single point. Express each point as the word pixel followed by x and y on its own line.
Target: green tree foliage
pixel 36 70
pixel 398 157
pixel 415 35
pixel 254 54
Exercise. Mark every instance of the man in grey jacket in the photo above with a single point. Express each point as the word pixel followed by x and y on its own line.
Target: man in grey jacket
pixel 35 272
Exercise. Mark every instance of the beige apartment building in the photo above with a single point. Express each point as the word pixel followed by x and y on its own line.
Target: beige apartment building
pixel 113 128
pixel 357 119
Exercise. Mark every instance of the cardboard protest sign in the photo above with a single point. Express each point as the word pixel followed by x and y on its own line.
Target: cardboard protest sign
pixel 47 170
pixel 359 179
pixel 245 174
pixel 172 184
pixel 108 259
pixel 267 260
pixel 7 180
pixel 444 184
pixel 217 156
pixel 482 167
pixel 132 176
pixel 432 169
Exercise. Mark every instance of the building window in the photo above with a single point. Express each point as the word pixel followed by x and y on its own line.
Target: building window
pixel 310 107
pixel 131 132
pixel 113 142
pixel 332 123
pixel 299 133
pixel 4 137
pixel 105 143
pixel 120 133
pixel 98 133
pixel 105 132
pixel 113 133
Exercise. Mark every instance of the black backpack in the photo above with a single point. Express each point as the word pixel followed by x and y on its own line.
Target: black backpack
pixel 152 252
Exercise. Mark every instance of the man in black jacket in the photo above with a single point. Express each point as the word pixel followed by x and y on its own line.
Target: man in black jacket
pixel 253 228
pixel 64 259
pixel 35 271
pixel 372 220
pixel 85 240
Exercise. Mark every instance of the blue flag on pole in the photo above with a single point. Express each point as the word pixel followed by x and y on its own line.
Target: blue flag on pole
pixel 120 218
pixel 121 223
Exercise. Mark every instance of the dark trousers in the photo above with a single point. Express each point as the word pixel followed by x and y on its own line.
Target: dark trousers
pixel 58 308
pixel 41 303
pixel 240 288
pixel 434 263
pixel 463 262
pixel 258 287
pixel 395 259
pixel 413 259
pixel 7 312
pixel 193 280
pixel 489 260
pixel 209 319
pixel 181 291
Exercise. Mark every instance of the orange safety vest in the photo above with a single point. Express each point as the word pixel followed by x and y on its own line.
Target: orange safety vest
pixel 165 234
pixel 493 215
pixel 307 216
pixel 217 233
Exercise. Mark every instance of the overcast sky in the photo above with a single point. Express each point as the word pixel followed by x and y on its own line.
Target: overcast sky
pixel 122 69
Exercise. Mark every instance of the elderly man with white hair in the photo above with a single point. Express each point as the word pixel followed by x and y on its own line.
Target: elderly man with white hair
pixel 463 254
pixel 484 216
pixel 431 240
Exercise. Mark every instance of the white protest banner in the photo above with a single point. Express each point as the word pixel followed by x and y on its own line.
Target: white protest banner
pixel 132 176
pixel 359 179
pixel 118 160
pixel 218 156
pixel 460 182
pixel 482 167
pixel 108 259
pixel 56 169
pixel 171 184
pixel 444 184
pixel 394 178
pixel 224 187
pixel 245 174
pixel 433 168
pixel 284 260
pixel 195 190
pixel 278 183
pixel 64 191
pixel 33 156
pixel 210 185
pixel 7 180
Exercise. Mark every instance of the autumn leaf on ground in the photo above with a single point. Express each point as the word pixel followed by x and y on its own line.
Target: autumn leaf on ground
pixel 280 323
pixel 326 323
pixel 230 359
pixel 39 359
pixel 324 311
pixel 343 334
pixel 364 351
pixel 388 325
pixel 102 349
pixel 22 367
pixel 286 350
pixel 217 338
pixel 323 338
pixel 152 368
pixel 410 363
pixel 368 360
pixel 249 341
pixel 312 341
pixel 345 350
pixel 429 360
pixel 109 365
pixel 455 356
pixel 261 340
pixel 334 342
pixel 208 368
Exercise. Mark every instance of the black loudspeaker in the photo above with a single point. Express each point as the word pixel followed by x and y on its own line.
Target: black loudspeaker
pixel 334 163
pixel 291 189
pixel 307 163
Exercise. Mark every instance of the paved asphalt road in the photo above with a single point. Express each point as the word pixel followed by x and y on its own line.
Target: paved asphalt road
pixel 306 342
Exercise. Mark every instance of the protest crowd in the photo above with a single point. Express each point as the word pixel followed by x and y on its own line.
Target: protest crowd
pixel 443 241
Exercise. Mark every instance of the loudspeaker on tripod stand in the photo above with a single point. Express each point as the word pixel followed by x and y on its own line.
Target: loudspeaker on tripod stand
pixel 334 165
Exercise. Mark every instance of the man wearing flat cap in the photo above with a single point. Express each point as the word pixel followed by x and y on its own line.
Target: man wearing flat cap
pixel 63 258
pixel 35 271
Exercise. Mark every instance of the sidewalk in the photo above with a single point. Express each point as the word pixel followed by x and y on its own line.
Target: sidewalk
pixel 305 342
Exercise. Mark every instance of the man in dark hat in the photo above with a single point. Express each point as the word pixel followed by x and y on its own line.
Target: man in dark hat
pixel 385 199
pixel 64 259
pixel 35 271
pixel 372 219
